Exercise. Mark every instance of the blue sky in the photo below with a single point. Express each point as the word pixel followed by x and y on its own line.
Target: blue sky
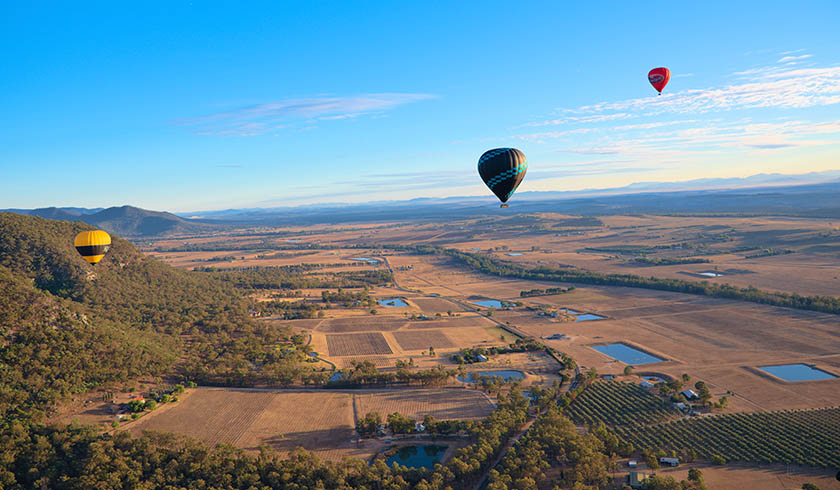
pixel 184 106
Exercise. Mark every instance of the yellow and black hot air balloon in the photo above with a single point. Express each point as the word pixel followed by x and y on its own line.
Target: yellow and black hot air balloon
pixel 93 245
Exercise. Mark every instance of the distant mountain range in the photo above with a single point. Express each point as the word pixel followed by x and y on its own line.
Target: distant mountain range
pixel 126 221
pixel 816 194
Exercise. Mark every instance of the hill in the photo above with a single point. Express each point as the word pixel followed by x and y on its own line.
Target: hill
pixel 68 327
pixel 127 221
pixel 136 222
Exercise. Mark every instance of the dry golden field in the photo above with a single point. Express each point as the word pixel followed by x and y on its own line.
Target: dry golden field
pixel 319 421
pixel 441 404
pixel 742 477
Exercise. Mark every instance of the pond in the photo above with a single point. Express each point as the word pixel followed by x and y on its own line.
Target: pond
pixel 588 316
pixel 489 303
pixel 514 254
pixel 505 374
pixel 711 274
pixel 392 302
pixel 417 456
pixel 797 372
pixel 366 259
pixel 626 354
pixel 337 376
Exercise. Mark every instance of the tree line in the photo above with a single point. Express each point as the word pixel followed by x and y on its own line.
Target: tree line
pixel 496 267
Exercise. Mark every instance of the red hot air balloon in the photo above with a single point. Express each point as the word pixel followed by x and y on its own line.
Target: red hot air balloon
pixel 658 77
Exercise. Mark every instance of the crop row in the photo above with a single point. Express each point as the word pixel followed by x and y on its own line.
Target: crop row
pixel 616 403
pixel 805 437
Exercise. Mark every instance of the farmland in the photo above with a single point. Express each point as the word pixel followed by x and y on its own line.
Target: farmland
pixel 423 339
pixel 616 403
pixel 441 404
pixel 717 340
pixel 804 437
pixel 358 344
pixel 322 422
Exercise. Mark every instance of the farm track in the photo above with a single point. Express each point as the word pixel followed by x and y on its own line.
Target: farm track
pixel 513 440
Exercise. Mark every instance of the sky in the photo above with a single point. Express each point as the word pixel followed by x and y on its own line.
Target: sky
pixel 200 105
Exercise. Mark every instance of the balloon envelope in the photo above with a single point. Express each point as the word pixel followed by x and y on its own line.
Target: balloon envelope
pixel 92 245
pixel 502 169
pixel 659 77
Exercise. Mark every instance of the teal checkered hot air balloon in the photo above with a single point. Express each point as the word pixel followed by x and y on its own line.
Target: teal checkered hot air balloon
pixel 502 169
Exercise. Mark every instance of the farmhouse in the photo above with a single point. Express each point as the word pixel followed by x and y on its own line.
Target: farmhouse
pixel 689 394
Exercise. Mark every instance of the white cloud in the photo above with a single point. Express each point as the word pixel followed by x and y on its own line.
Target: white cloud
pixel 787 59
pixel 765 87
pixel 272 116
pixel 579 119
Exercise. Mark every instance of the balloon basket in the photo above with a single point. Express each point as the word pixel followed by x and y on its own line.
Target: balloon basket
pixel 504 206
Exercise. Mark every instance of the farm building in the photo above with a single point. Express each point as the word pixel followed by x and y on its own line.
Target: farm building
pixel 669 461
pixel 689 394
pixel 636 479
pixel 681 405
pixel 419 427
pixel 481 358
pixel 632 463
pixel 647 384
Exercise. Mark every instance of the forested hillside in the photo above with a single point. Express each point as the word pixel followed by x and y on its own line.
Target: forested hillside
pixel 69 327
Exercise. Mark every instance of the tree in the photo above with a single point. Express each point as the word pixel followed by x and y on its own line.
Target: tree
pixel 369 424
pixel 400 424
pixel 717 459
pixel 136 406
pixel 628 370
pixel 650 459
pixel 809 486
pixel 695 475
pixel 431 351
pixel 150 405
